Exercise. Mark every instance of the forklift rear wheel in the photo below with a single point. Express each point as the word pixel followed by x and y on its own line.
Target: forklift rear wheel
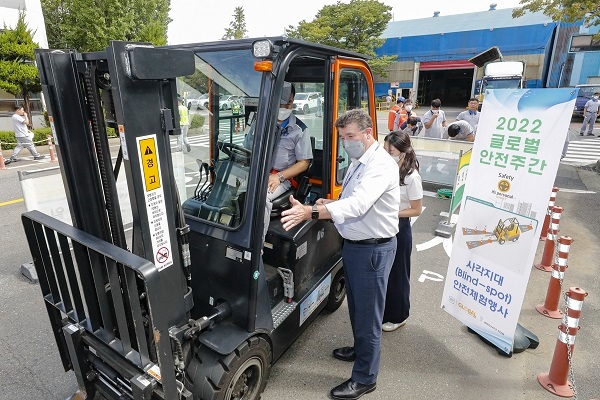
pixel 337 292
pixel 243 374
pixel 501 241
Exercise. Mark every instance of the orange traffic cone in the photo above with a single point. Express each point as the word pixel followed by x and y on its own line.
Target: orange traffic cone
pixel 556 381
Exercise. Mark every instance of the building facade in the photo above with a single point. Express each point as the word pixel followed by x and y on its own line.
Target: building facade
pixel 433 53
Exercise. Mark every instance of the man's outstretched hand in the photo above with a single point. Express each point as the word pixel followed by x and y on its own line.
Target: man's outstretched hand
pixel 292 217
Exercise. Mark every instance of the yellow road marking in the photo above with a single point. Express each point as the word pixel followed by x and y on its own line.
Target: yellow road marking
pixel 11 202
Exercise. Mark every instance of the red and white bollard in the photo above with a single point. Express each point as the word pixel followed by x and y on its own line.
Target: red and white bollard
pixel 51 148
pixel 557 380
pixel 2 165
pixel 550 306
pixel 546 223
pixel 549 247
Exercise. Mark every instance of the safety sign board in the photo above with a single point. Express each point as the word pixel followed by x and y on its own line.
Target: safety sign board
pixel 512 169
pixel 155 202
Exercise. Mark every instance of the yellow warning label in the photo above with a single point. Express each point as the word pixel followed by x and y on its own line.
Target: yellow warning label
pixel 150 163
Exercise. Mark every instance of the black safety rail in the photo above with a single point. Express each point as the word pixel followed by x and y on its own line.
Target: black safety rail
pixel 89 304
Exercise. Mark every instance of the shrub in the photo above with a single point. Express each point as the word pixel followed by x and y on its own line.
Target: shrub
pixel 197 121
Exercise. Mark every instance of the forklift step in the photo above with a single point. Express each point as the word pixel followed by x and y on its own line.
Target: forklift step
pixel 281 312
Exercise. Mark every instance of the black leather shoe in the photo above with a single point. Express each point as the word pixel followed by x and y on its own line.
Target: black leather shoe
pixel 345 354
pixel 351 390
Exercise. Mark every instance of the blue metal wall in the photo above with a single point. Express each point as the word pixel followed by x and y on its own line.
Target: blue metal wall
pixel 532 39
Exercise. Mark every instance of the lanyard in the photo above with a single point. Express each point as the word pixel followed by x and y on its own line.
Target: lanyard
pixel 348 177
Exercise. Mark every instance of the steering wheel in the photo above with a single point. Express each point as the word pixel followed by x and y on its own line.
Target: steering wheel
pixel 236 152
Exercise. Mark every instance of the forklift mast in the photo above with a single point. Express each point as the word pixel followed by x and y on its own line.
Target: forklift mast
pixel 188 302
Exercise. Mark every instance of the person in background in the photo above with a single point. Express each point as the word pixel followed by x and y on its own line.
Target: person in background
pixel 461 130
pixel 184 122
pixel 412 126
pixel 366 216
pixel 471 115
pixel 388 101
pixel 434 121
pixel 397 300
pixel 396 108
pixel 590 113
pixel 402 115
pixel 23 135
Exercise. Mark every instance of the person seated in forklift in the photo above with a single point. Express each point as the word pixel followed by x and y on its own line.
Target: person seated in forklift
pixel 366 216
pixel 293 153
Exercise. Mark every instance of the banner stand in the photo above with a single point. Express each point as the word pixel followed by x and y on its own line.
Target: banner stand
pixel 524 339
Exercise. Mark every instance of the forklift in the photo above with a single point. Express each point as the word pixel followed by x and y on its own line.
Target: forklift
pixel 508 229
pixel 187 301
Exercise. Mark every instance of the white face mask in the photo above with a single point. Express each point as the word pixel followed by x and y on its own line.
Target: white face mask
pixel 408 108
pixel 596 97
pixel 283 114
pixel 396 158
pixel 354 148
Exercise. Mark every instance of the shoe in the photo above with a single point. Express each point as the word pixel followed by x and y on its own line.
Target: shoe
pixel 580 134
pixel 351 390
pixel 39 157
pixel 345 354
pixel 7 161
pixel 189 148
pixel 590 134
pixel 390 326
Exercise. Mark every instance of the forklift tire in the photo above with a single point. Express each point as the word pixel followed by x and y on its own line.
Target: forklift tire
pixel 241 375
pixel 337 293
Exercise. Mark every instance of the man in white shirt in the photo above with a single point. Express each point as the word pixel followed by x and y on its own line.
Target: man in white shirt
pixel 366 216
pixel 434 121
pixel 23 136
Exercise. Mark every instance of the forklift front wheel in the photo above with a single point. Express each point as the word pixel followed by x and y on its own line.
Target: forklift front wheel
pixel 337 292
pixel 242 374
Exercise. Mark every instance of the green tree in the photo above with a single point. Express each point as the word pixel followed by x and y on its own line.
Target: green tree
pixel 18 74
pixel 355 26
pixel 563 10
pixel 86 25
pixel 237 27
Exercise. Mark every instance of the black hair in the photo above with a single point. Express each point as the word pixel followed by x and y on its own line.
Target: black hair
pixel 19 107
pixel 412 121
pixel 437 103
pixel 474 99
pixel 401 141
pixel 453 130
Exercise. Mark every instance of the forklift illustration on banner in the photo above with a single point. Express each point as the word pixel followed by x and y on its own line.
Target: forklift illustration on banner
pixel 507 230
pixel 189 302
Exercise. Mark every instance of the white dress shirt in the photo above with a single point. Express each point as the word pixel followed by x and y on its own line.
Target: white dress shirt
pixel 370 200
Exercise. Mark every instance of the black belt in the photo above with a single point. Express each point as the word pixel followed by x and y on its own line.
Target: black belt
pixel 369 241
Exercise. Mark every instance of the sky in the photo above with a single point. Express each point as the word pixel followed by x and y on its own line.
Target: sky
pixel 201 20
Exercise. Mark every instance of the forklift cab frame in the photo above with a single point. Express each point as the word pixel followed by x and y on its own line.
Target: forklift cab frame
pixel 194 282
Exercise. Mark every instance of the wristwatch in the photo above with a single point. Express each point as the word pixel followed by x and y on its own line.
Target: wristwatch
pixel 315 212
pixel 281 177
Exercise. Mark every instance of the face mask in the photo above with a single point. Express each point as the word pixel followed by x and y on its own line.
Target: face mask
pixel 396 158
pixel 408 108
pixel 283 114
pixel 596 97
pixel 354 148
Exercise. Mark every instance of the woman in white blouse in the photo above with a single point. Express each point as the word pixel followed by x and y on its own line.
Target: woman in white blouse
pixel 397 303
